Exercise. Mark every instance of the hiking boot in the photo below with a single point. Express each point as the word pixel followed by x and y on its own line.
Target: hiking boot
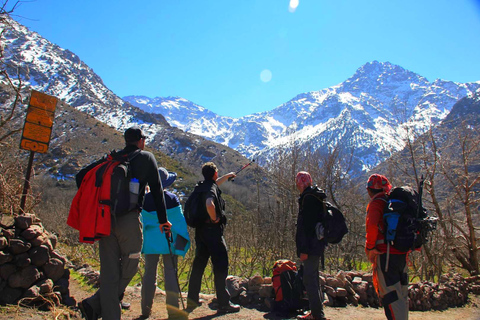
pixel 87 311
pixel 125 305
pixel 229 308
pixel 310 316
pixel 192 305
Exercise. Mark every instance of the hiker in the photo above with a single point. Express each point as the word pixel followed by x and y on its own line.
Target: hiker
pixel 391 284
pixel 309 247
pixel 120 251
pixel 211 243
pixel 155 243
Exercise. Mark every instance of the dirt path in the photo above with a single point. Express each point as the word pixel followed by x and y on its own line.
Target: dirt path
pixel 469 312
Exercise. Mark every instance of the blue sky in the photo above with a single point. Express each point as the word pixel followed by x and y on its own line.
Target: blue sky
pixel 241 57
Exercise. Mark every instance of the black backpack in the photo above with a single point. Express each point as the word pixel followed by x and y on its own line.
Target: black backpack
pixel 335 226
pixel 407 225
pixel 195 211
pixel 120 201
pixel 288 287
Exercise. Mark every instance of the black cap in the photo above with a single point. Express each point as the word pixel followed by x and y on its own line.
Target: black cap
pixel 133 134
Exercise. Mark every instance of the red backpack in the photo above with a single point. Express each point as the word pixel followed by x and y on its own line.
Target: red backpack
pixel 288 286
pixel 103 191
pixel 279 267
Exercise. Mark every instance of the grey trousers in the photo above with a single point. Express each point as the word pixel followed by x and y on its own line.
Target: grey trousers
pixel 312 285
pixel 119 257
pixel 393 285
pixel 149 282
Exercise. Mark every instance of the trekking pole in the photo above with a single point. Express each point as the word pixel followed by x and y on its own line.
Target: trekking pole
pixel 169 237
pixel 388 256
pixel 233 179
pixel 420 192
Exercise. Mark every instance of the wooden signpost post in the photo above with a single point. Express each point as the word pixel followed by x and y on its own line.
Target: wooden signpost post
pixel 36 132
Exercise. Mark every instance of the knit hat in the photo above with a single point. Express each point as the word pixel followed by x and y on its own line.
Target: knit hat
pixel 167 177
pixel 303 180
pixel 379 182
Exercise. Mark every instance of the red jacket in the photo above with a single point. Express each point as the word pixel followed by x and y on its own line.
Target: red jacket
pixel 375 227
pixel 87 214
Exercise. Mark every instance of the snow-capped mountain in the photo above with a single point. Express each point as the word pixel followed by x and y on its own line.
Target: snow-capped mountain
pixel 46 67
pixel 370 112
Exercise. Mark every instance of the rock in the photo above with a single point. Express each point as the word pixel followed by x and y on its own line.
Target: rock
pixel 24 278
pixel 330 291
pixel 32 232
pixel 255 281
pixel 353 299
pixel 24 221
pixel 244 299
pixel 5 257
pixel 56 255
pixel 334 282
pixel 367 277
pixel 357 280
pixel 233 284
pixel 328 301
pixel 46 286
pixel 22 260
pixel 266 291
pixel 3 243
pixel 340 292
pixel 6 221
pixel 41 240
pixel 39 255
pixel 10 295
pixel 32 293
pixel 53 240
pixel 8 233
pixel 18 246
pixel 322 280
pixel 54 269
pixel 6 270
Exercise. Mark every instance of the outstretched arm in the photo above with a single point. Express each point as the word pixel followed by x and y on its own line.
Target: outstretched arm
pixel 225 177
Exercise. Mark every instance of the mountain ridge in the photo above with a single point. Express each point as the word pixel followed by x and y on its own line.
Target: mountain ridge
pixel 378 103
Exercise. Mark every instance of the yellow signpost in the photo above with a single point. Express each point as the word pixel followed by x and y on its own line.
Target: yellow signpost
pixel 36 131
pixel 38 122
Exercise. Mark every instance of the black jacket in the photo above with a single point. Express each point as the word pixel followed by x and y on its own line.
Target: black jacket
pixel 210 189
pixel 144 168
pixel 310 213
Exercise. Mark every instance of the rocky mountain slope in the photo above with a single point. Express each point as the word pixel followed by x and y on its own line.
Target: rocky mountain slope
pixel 46 67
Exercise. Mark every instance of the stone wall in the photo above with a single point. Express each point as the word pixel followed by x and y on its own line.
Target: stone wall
pixel 32 273
pixel 356 288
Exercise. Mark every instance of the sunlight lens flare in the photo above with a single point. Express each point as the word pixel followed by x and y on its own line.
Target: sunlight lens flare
pixel 266 75
pixel 293 5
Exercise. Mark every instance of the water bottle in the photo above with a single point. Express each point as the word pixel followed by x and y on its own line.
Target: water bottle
pixel 134 190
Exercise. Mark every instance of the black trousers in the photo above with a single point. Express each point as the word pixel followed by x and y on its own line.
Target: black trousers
pixel 210 243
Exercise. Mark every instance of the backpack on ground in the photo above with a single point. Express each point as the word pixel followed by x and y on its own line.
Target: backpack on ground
pixel 195 211
pixel 407 225
pixel 104 190
pixel 334 226
pixel 288 287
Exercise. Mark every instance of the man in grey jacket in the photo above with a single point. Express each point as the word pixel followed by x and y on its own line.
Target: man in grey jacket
pixel 120 251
